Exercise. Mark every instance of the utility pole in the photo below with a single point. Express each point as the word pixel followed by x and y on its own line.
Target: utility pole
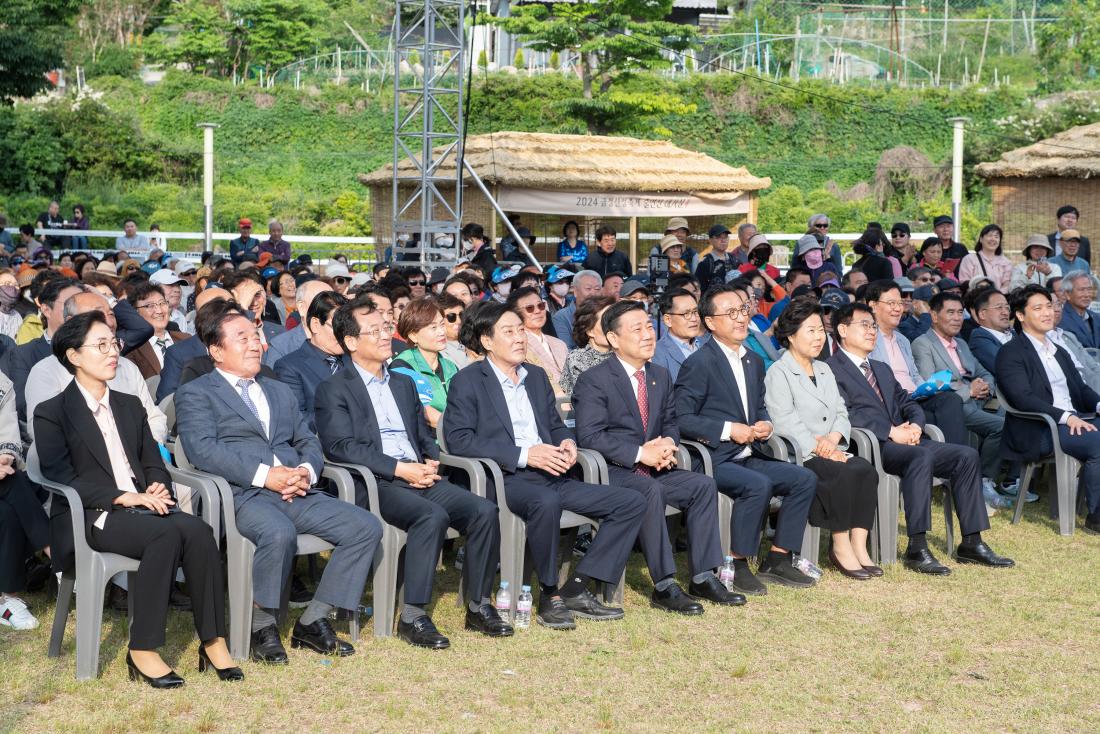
pixel 958 123
pixel 208 184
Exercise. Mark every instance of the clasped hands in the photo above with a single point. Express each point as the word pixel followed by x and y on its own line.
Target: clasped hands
pixel 156 497
pixel 742 433
pixel 979 388
pixel 554 460
pixel 288 481
pixel 907 433
pixel 827 448
pixel 7 465
pixel 419 476
pixel 658 453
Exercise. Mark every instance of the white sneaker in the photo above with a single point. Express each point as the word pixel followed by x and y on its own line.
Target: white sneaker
pixel 992 497
pixel 14 613
pixel 1012 489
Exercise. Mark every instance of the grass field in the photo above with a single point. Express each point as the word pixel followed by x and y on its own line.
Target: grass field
pixel 979 651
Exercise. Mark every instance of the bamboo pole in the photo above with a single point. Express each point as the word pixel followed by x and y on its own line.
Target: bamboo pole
pixel 985 42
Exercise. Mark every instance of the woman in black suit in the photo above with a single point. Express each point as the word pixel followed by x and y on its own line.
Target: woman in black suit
pixel 97 441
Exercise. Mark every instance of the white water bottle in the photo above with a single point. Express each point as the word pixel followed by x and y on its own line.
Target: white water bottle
pixel 523 608
pixel 725 575
pixel 504 602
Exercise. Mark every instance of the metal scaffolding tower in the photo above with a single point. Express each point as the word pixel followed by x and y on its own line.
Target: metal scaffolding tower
pixel 428 113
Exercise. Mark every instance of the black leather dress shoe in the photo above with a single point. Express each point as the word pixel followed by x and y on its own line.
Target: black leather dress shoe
pixel 320 637
pixel 300 595
pixel 168 680
pixel 713 591
pixel 118 599
pixel 922 561
pixel 554 614
pixel 673 599
pixel 487 621
pixel 873 570
pixel 178 600
pixel 267 647
pixel 983 555
pixel 231 674
pixel 859 574
pixel 1092 524
pixel 421 632
pixel 587 606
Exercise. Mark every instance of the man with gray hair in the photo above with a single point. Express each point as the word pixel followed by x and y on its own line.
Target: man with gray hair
pixel 275 244
pixel 1077 290
pixel 586 284
pixel 292 340
pixel 745 232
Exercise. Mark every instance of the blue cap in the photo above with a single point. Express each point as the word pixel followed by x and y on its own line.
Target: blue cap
pixel 502 273
pixel 269 272
pixel 555 274
pixel 150 266
pixel 834 298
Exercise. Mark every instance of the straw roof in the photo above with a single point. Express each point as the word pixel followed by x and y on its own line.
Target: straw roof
pixel 1073 153
pixel 589 163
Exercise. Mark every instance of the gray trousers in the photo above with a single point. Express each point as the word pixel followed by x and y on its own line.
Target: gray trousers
pixel 273 526
pixel 990 427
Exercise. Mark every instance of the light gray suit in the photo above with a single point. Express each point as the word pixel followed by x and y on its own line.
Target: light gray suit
pixel 799 408
pixel 931 356
pixel 222 436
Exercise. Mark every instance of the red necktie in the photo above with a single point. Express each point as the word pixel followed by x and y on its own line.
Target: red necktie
pixel 643 409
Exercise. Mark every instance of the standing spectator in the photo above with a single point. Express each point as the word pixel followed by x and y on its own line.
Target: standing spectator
pixel 679 226
pixel 819 227
pixel 987 259
pixel 902 239
pixel 156 247
pixel 1069 259
pixel 712 268
pixel 478 249
pixel 873 261
pixel 130 240
pixel 1067 220
pixel 246 244
pixel 586 284
pixel 275 244
pixel 80 221
pixel 572 249
pixel 745 232
pixel 51 219
pixel 1035 268
pixel 944 227
pixel 605 258
pixel 932 257
pixel 26 241
pixel 5 235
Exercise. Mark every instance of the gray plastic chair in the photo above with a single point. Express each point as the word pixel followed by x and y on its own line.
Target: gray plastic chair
pixel 240 552
pixel 94 569
pixel 1066 469
pixel 152 383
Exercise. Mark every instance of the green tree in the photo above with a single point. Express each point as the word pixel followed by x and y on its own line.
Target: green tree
pixel 1070 48
pixel 29 47
pixel 614 39
pixel 203 40
pixel 276 32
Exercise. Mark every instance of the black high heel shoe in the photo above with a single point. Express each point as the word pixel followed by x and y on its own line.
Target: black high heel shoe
pixel 168 680
pixel 225 674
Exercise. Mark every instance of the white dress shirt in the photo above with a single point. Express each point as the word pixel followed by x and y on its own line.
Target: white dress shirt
pixel 1004 337
pixel 520 411
pixel 167 339
pixel 1059 385
pixel 120 466
pixel 734 358
pixel 48 378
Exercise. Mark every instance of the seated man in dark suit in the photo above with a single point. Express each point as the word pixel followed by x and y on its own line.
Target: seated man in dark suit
pixel 318 359
pixel 625 410
pixel 720 404
pixel 370 416
pixel 288 341
pixel 879 404
pixel 203 364
pixel 1035 375
pixel 989 310
pixel 52 294
pixel 504 409
pixel 180 353
pixel 250 432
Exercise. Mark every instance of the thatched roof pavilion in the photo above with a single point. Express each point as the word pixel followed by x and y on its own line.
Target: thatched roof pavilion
pixel 594 177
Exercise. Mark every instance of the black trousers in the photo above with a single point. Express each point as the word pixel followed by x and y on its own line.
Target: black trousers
pixel 24 529
pixel 945 411
pixel 847 494
pixel 917 465
pixel 697 496
pixel 425 515
pixel 163 544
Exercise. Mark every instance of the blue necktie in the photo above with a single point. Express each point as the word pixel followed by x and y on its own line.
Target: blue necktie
pixel 243 386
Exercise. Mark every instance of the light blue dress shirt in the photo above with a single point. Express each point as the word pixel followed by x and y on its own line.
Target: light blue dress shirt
pixel 520 410
pixel 395 440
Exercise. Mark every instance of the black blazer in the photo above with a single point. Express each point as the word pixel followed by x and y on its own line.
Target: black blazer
pixel 477 422
pixel 348 426
pixel 1023 381
pixel 18 367
pixel 71 449
pixel 707 397
pixel 608 418
pixel 1084 251
pixel 303 370
pixel 865 410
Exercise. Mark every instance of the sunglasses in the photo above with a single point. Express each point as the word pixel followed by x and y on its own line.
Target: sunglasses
pixel 417 282
pixel 535 307
pixel 821 226
pixel 341 281
pixel 452 317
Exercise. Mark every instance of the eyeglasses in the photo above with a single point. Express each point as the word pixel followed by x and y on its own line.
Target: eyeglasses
pixel 998 307
pixel 689 315
pixel 866 325
pixel 734 313
pixel 824 225
pixel 385 332
pixel 533 308
pixel 155 306
pixel 105 347
pixel 453 317
pixel 892 304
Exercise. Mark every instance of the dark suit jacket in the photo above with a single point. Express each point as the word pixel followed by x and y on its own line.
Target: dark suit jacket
pixel 985 347
pixel 477 423
pixel 223 437
pixel 616 262
pixel 348 425
pixel 131 327
pixel 1084 252
pixel 203 365
pixel 1023 381
pixel 145 355
pixel 707 397
pixel 178 355
pixel 19 363
pixel 608 418
pixel 865 410
pixel 71 448
pixel 1087 332
pixel 303 370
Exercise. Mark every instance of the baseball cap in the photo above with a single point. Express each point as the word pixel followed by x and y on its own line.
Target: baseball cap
pixel 900 227
pixel 717 230
pixel 269 272
pixel 244 222
pixel 150 266
pixel 905 284
pixel 359 279
pixel 556 274
pixel 438 275
pixel 833 298
pixel 165 276
pixel 947 284
pixel 925 293
pixel 502 273
pixel 632 286
pixel 1070 234
pixel 337 270
pixel 942 219
pixel 183 267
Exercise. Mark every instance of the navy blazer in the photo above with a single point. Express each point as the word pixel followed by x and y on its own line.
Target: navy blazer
pixel 284 344
pixel 303 370
pixel 865 410
pixel 477 422
pixel 707 397
pixel 985 346
pixel 18 367
pixel 1087 332
pixel 175 357
pixel 1022 379
pixel 607 413
pixel 222 436
pixel 348 426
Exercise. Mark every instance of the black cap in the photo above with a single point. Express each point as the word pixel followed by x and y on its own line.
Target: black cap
pixel 942 219
pixel 718 230
pixel 900 227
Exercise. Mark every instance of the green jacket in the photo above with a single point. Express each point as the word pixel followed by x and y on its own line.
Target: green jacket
pixel 431 389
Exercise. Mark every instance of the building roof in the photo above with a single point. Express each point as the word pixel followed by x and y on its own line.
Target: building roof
pixel 589 163
pixel 1073 153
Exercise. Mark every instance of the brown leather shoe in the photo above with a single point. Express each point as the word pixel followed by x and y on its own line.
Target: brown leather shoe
pixel 860 574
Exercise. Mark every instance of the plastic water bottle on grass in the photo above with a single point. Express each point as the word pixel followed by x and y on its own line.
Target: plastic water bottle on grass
pixel 725 574
pixel 523 608
pixel 504 602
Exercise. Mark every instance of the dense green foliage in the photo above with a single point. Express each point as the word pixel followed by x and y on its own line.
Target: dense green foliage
pixel 27 46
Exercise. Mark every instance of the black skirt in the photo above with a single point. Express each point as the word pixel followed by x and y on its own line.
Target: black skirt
pixel 847 494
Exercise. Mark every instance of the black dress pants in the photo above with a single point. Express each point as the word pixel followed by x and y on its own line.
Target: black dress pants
pixel 24 529
pixel 917 465
pixel 163 544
